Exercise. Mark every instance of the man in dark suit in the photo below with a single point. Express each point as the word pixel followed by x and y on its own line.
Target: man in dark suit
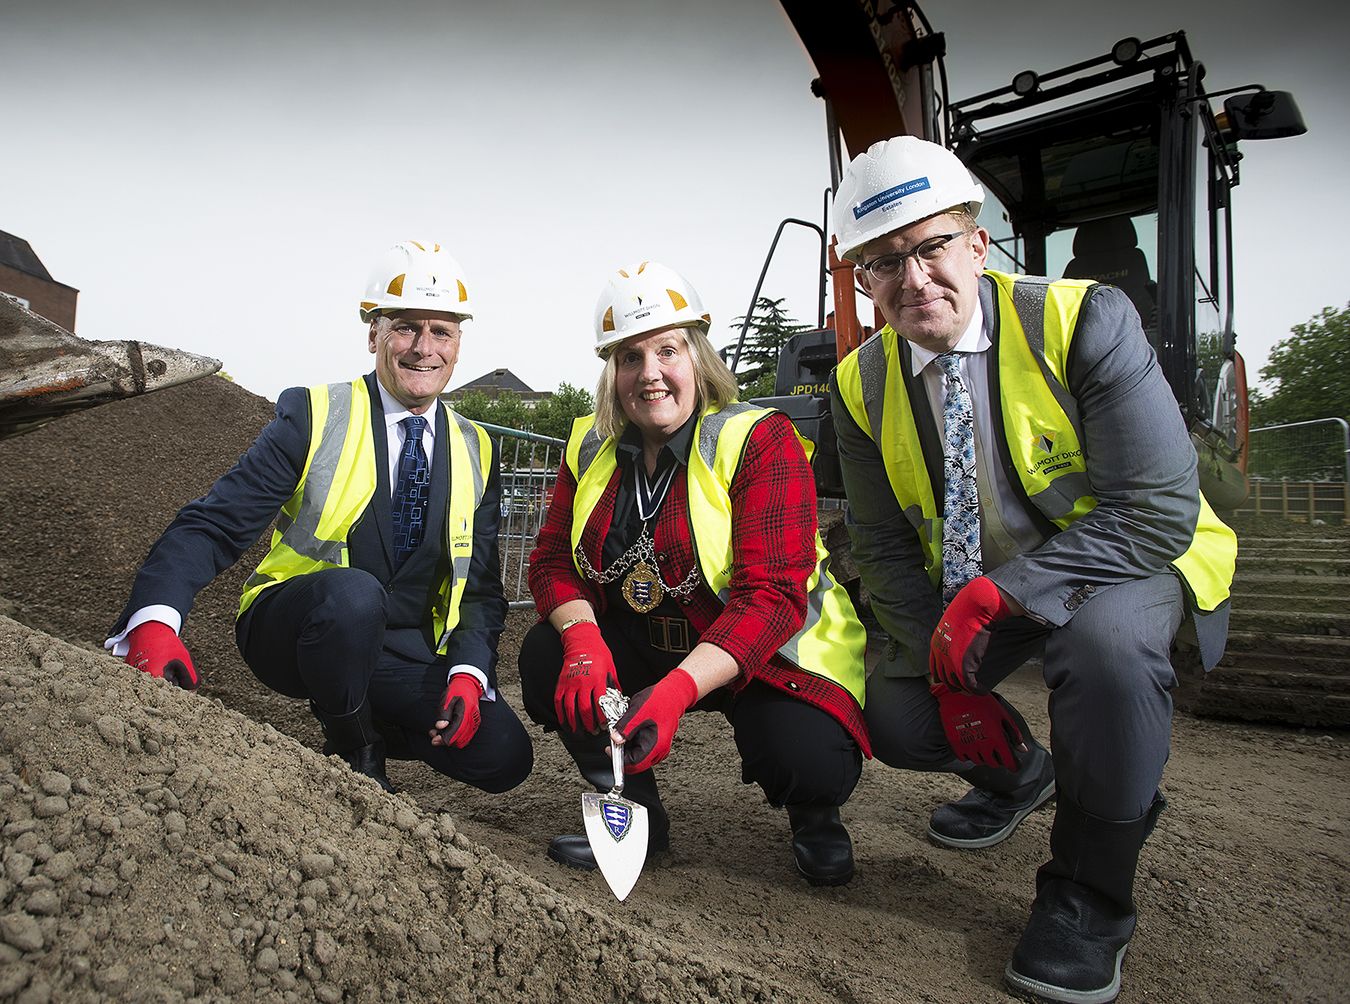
pixel 380 600
pixel 1020 484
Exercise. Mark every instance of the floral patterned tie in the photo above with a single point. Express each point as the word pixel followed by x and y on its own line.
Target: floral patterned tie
pixel 961 560
pixel 409 503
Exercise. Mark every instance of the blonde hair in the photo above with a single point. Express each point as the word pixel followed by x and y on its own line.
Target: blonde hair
pixel 714 385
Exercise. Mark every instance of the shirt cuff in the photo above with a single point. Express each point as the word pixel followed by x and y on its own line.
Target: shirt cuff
pixel 489 693
pixel 155 612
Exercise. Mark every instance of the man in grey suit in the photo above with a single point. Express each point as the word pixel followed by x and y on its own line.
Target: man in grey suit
pixel 1020 484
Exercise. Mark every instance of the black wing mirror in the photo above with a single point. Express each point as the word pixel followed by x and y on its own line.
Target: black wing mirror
pixel 1263 115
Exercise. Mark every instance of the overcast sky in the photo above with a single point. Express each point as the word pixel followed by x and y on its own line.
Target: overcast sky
pixel 219 177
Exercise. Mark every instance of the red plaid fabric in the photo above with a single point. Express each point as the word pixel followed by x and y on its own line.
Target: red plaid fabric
pixel 773 506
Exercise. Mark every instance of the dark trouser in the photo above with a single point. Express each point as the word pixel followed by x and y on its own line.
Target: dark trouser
pixel 797 753
pixel 1110 683
pixel 321 636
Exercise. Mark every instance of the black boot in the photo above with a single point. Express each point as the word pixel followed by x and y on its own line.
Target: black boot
pixel 1083 916
pixel 999 799
pixel 353 737
pixel 821 844
pixel 574 849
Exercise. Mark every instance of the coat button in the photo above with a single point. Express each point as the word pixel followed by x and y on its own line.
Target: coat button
pixel 388 587
pixel 1070 604
pixel 792 685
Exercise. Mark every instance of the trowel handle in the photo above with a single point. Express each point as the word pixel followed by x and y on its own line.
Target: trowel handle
pixel 616 756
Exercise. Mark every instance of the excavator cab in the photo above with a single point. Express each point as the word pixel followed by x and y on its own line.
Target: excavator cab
pixel 1119 169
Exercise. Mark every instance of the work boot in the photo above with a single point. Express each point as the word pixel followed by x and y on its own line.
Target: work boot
pixel 574 849
pixel 999 799
pixel 821 844
pixel 353 737
pixel 1083 916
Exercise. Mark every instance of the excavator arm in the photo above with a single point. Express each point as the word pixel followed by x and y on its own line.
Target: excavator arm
pixel 876 62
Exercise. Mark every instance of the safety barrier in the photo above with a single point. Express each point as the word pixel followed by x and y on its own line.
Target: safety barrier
pixel 1300 471
pixel 1318 450
pixel 529 465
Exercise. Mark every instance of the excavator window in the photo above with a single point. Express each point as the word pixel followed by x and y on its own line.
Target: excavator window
pixel 1110 250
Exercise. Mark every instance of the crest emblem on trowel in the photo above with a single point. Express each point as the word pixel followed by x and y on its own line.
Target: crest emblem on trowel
pixel 617 816
pixel 610 818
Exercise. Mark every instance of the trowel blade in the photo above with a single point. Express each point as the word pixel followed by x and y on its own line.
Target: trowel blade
pixel 617 829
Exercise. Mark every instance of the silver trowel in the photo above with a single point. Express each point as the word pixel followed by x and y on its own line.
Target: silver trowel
pixel 616 827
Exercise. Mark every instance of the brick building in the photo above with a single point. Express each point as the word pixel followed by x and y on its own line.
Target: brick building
pixel 23 275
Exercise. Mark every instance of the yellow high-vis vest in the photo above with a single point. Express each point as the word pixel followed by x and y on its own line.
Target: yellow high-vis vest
pixel 831 640
pixel 1037 319
pixel 337 484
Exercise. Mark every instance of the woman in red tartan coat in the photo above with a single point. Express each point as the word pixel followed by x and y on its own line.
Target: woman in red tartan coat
pixel 625 597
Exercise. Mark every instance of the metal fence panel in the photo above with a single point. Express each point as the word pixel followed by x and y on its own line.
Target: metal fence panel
pixel 1301 451
pixel 529 465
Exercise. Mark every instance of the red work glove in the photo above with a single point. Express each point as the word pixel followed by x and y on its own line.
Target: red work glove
pixel 156 650
pixel 460 716
pixel 587 672
pixel 651 720
pixel 962 635
pixel 978 727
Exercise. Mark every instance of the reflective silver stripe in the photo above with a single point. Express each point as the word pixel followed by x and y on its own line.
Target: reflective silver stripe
pixel 815 610
pixel 1058 498
pixel 1028 296
pixel 258 579
pixel 300 534
pixel 872 372
pixel 471 442
pixel 915 516
pixel 588 451
pixel 711 428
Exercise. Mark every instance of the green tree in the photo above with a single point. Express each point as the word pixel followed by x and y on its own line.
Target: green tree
pixel 505 410
pixel 1308 373
pixel 770 327
pixel 553 415
pixel 550 417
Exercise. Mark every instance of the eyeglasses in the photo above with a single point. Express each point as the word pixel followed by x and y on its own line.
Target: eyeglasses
pixel 929 252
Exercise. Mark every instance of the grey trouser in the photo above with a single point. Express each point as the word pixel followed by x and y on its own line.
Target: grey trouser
pixel 1110 681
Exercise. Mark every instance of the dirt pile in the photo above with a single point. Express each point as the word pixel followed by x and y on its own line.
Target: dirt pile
pixel 199 853
pixel 159 846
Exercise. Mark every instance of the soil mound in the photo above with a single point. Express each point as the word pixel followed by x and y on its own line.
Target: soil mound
pixel 158 846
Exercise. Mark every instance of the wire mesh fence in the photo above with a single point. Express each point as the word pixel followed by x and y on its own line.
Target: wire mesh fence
pixel 529 465
pixel 1300 471
pixel 1300 451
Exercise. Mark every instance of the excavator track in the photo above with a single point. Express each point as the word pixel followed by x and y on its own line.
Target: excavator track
pixel 1288 655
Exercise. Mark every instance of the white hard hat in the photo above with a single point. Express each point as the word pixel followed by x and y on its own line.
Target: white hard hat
pixel 897 182
pixel 416 275
pixel 645 297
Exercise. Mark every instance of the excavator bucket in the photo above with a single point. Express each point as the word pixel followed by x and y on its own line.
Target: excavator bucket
pixel 47 372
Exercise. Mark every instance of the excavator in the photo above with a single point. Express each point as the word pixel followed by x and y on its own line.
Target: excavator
pixel 1119 167
pixel 47 372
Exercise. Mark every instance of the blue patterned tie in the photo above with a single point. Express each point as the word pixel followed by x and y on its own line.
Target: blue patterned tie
pixel 961 560
pixel 411 494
